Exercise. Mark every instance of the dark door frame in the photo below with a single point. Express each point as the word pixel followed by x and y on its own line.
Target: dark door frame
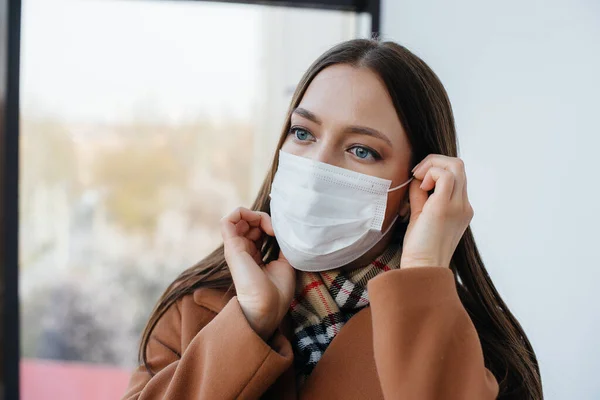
pixel 10 46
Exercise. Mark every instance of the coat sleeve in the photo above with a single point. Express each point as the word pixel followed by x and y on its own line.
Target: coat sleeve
pixel 425 345
pixel 224 359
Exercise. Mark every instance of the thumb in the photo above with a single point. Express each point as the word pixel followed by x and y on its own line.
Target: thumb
pixel 417 197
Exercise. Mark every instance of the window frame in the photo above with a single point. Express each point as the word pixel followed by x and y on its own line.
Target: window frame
pixel 10 32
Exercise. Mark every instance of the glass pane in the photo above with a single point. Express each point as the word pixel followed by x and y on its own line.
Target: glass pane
pixel 143 123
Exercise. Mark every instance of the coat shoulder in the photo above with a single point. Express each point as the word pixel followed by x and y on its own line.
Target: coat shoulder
pixel 187 316
pixel 212 299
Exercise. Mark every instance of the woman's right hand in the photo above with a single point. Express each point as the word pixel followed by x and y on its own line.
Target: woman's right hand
pixel 264 291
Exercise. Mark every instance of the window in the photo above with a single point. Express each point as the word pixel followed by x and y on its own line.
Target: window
pixel 142 124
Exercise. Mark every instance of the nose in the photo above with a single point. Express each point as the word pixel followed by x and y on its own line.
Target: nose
pixel 324 153
pixel 325 150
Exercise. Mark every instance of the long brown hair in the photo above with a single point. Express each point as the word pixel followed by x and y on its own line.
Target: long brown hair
pixel 426 115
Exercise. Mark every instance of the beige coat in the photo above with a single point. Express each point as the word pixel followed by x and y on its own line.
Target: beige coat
pixel 414 342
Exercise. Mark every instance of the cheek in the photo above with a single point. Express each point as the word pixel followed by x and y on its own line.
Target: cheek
pixel 286 143
pixel 394 203
pixel 289 146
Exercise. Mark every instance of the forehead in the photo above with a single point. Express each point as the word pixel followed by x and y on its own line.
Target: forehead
pixel 345 94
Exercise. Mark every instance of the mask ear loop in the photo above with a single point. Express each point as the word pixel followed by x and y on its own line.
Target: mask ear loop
pixel 407 216
pixel 401 186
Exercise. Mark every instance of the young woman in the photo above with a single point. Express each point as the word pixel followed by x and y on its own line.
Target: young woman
pixel 355 274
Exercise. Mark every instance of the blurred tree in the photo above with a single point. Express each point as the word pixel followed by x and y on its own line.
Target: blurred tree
pixel 136 175
pixel 153 163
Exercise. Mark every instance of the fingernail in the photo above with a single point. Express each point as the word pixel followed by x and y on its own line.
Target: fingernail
pixel 413 170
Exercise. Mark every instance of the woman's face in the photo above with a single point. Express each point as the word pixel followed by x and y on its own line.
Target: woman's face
pixel 346 118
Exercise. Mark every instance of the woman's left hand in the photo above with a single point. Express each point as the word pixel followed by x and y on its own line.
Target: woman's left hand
pixel 437 222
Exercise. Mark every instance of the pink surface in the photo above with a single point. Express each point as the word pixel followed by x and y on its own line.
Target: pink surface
pixel 44 379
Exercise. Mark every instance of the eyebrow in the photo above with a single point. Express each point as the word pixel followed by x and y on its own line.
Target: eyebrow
pixel 361 130
pixel 307 114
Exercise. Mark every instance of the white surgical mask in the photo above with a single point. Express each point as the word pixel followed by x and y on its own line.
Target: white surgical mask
pixel 325 216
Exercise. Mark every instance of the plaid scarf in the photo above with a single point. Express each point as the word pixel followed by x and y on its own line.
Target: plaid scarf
pixel 325 301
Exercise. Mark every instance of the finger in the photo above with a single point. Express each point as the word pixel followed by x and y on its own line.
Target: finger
pixel 242 257
pixel 417 198
pixel 256 254
pixel 258 219
pixel 242 228
pixel 462 198
pixel 265 223
pixel 254 234
pixel 452 164
pixel 442 180
pixel 252 218
pixel 228 229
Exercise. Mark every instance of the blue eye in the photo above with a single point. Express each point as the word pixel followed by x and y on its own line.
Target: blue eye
pixel 364 153
pixel 301 135
pixel 361 152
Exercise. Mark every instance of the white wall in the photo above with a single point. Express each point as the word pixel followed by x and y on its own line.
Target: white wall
pixel 523 77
